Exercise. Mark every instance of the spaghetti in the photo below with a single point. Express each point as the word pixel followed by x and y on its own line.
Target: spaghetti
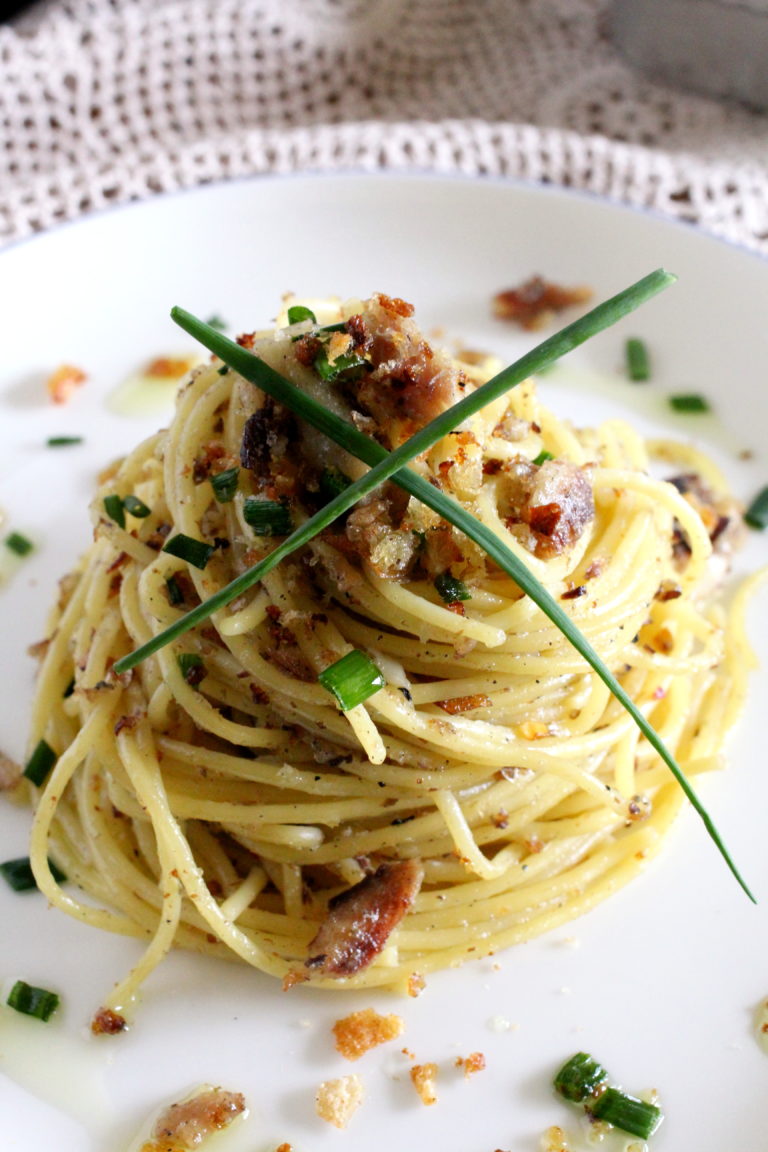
pixel 218 799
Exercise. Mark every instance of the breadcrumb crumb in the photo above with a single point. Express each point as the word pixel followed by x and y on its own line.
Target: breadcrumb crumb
pixel 337 1100
pixel 358 1033
pixel 424 1077
pixel 471 1064
pixel 63 382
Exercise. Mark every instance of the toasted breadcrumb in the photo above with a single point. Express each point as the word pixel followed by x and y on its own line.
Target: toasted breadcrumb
pixel 358 1033
pixel 471 1064
pixel 10 773
pixel 554 1140
pixel 416 984
pixel 424 1077
pixel 337 1100
pixel 63 382
pixel 168 367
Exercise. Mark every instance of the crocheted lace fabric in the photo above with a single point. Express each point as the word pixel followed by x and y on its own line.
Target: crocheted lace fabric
pixel 105 101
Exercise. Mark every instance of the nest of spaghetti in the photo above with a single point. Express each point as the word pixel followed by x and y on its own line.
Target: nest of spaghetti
pixel 218 798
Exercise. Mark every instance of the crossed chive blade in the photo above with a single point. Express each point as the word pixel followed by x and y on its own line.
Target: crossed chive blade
pixel 384 466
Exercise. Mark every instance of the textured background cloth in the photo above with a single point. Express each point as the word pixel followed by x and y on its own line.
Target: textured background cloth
pixel 105 101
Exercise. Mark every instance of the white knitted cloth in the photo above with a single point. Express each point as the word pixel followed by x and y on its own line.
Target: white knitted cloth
pixel 104 101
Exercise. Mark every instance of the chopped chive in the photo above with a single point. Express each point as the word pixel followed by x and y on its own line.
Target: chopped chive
pixel 637 1117
pixel 543 457
pixel 756 514
pixel 18 544
pixel 352 679
pixel 18 873
pixel 63 441
pixel 332 482
pixel 579 1077
pixel 195 552
pixel 113 506
pixel 40 763
pixel 31 1001
pixel 689 402
pixel 267 517
pixel 223 370
pixel 216 322
pixel 297 313
pixel 451 589
pixel 192 667
pixel 136 507
pixel 329 370
pixel 175 594
pixel 224 484
pixel 638 360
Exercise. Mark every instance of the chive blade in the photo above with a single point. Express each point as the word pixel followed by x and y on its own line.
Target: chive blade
pixel 756 514
pixel 692 402
pixel 298 313
pixel 175 594
pixel 63 441
pixel 580 1077
pixel 352 679
pixel 113 506
pixel 32 1001
pixel 136 507
pixel 19 876
pixel 450 589
pixel 543 457
pixel 18 544
pixel 40 763
pixel 637 1117
pixel 267 517
pixel 638 360
pixel 195 552
pixel 224 484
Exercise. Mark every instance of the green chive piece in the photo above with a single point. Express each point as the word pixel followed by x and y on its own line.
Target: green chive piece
pixel 330 370
pixel 267 517
pixel 332 483
pixel 18 544
pixel 31 1001
pixel 113 506
pixel 638 360
pixel 40 763
pixel 18 874
pixel 580 1077
pixel 298 313
pixel 195 552
pixel 352 679
pixel 224 484
pixel 192 667
pixel 756 514
pixel 627 1112
pixel 689 402
pixel 543 457
pixel 136 507
pixel 63 441
pixel 175 594
pixel 216 322
pixel 451 589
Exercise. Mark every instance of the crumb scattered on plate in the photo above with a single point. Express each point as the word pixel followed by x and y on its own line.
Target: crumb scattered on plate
pixel 337 1100
pixel 424 1077
pixel 358 1033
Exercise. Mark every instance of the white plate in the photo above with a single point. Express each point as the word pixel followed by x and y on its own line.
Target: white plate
pixel 662 982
